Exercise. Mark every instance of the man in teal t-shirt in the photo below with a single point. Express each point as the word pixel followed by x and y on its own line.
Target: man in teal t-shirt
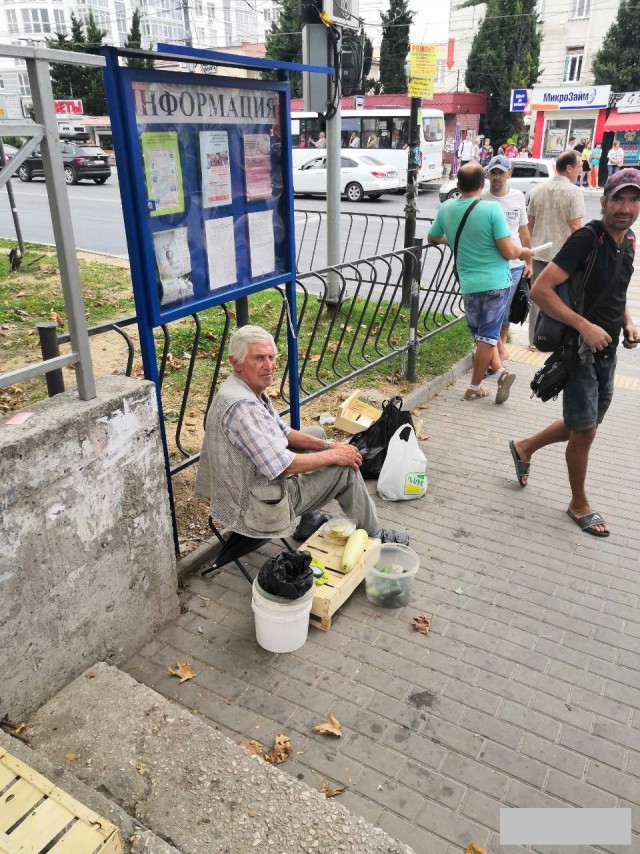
pixel 484 250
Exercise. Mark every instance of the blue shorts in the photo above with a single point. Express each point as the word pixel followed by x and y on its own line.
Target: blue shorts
pixel 485 314
pixel 516 275
pixel 588 393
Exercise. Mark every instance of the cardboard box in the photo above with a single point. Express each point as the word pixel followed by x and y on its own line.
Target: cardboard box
pixel 354 415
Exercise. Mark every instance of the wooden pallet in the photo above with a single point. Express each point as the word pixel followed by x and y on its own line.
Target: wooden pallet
pixel 339 586
pixel 34 812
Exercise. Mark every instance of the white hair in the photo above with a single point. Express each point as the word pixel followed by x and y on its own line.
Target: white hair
pixel 244 337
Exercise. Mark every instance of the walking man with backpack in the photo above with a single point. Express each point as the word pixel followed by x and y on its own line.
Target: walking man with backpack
pixel 589 388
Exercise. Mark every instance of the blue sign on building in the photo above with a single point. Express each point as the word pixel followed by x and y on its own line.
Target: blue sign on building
pixel 519 100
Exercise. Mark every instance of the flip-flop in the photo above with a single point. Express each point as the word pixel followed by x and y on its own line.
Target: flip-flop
pixel 587 522
pixel 522 467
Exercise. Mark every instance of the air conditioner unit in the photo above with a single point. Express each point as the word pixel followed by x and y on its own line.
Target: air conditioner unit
pixel 343 12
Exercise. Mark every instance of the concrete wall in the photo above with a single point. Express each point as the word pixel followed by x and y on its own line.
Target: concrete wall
pixel 87 563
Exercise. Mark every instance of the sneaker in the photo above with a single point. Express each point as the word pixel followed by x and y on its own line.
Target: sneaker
pixel 504 386
pixel 388 535
pixel 309 524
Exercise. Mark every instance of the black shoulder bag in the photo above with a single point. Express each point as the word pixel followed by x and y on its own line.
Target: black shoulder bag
pixel 520 303
pixel 551 333
pixel 459 232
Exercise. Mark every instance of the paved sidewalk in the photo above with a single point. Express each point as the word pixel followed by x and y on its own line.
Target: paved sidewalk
pixel 527 691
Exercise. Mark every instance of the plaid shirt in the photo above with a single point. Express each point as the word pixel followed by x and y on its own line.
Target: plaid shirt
pixel 254 428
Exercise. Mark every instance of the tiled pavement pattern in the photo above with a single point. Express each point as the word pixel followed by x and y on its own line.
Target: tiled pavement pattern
pixel 526 692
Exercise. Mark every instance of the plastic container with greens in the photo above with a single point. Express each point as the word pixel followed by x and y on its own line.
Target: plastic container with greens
pixel 391 569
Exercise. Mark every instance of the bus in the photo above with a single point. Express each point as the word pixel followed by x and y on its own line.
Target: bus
pixel 385 129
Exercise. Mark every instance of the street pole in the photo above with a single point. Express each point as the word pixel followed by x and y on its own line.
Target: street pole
pixel 12 203
pixel 411 207
pixel 334 146
pixel 188 39
pixel 414 310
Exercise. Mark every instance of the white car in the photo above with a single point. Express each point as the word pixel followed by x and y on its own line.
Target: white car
pixel 528 172
pixel 360 175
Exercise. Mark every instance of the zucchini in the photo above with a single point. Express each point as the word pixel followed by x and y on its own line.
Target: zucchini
pixel 354 549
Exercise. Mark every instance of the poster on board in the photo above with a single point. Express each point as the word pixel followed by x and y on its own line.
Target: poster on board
pixel 263 259
pixel 215 168
pixel 163 172
pixel 221 255
pixel 173 261
pixel 257 166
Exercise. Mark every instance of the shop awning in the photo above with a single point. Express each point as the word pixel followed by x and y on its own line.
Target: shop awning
pixel 623 121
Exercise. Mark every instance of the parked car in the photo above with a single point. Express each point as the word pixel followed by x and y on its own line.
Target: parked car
pixel 527 174
pixel 81 160
pixel 360 175
pixel 10 152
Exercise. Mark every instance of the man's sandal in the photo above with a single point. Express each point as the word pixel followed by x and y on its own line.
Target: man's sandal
pixel 476 394
pixel 588 522
pixel 504 386
pixel 522 466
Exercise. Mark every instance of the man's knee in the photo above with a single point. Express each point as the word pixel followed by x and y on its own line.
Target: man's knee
pixel 583 438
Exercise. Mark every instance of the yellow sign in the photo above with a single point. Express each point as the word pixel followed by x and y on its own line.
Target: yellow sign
pixel 423 60
pixel 420 87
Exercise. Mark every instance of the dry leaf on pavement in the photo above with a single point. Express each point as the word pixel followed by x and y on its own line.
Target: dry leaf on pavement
pixel 332 726
pixel 254 747
pixel 20 728
pixel 422 624
pixel 281 750
pixel 330 792
pixel 473 848
pixel 71 757
pixel 183 671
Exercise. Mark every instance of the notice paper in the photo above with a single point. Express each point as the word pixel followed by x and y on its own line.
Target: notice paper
pixel 263 259
pixel 163 172
pixel 257 166
pixel 215 169
pixel 173 261
pixel 221 252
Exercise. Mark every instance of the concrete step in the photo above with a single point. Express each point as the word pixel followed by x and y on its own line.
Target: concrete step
pixel 136 838
pixel 186 782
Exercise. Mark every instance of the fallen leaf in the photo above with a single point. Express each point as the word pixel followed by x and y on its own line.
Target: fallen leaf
pixel 281 750
pixel 174 362
pixel 183 671
pixel 423 406
pixel 473 848
pixel 330 792
pixel 141 769
pixel 415 412
pixel 72 757
pixel 90 675
pixel 19 729
pixel 254 747
pixel 332 726
pixel 21 295
pixel 342 396
pixel 422 624
pixel 423 437
pixel 57 318
pixel 251 813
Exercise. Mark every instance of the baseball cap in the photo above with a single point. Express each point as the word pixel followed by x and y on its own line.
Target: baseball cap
pixel 500 162
pixel 621 179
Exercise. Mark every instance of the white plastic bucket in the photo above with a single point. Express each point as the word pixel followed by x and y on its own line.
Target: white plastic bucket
pixel 282 625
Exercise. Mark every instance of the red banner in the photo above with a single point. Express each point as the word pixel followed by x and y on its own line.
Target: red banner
pixel 450 49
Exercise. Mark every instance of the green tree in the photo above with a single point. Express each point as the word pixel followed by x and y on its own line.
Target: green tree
pixel 617 60
pixel 78 81
pixel 505 55
pixel 284 42
pixel 394 47
pixel 134 41
pixel 368 57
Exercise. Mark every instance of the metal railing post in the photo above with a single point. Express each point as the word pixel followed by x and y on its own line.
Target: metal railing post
pixel 48 334
pixel 42 93
pixel 414 307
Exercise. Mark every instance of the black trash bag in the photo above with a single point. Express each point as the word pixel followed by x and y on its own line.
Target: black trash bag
pixel 374 441
pixel 288 575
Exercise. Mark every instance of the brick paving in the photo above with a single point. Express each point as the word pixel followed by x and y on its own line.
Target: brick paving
pixel 526 692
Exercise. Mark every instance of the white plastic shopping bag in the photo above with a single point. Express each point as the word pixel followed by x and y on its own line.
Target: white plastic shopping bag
pixel 403 474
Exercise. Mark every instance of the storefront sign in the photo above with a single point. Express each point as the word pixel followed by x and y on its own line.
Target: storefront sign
pixel 422 70
pixel 630 143
pixel 629 102
pixel 158 103
pixel 519 100
pixel 570 98
pixel 70 107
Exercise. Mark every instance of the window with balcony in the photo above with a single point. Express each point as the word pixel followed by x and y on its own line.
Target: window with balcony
pixel 12 18
pixel 581 8
pixel 23 85
pixel 36 21
pixel 573 64
pixel 59 21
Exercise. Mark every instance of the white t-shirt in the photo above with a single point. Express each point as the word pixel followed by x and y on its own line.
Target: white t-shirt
pixel 515 212
pixel 466 150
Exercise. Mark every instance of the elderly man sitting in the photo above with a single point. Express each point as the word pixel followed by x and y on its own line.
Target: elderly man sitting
pixel 258 473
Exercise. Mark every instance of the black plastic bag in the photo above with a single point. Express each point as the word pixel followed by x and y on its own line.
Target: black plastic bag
pixel 519 310
pixel 374 441
pixel 288 575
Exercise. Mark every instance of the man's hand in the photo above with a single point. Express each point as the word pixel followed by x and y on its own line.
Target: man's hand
pixel 344 454
pixel 594 337
pixel 528 269
pixel 526 256
pixel 631 336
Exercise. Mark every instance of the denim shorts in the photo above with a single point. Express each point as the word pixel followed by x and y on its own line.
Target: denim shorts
pixel 516 275
pixel 485 313
pixel 588 393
